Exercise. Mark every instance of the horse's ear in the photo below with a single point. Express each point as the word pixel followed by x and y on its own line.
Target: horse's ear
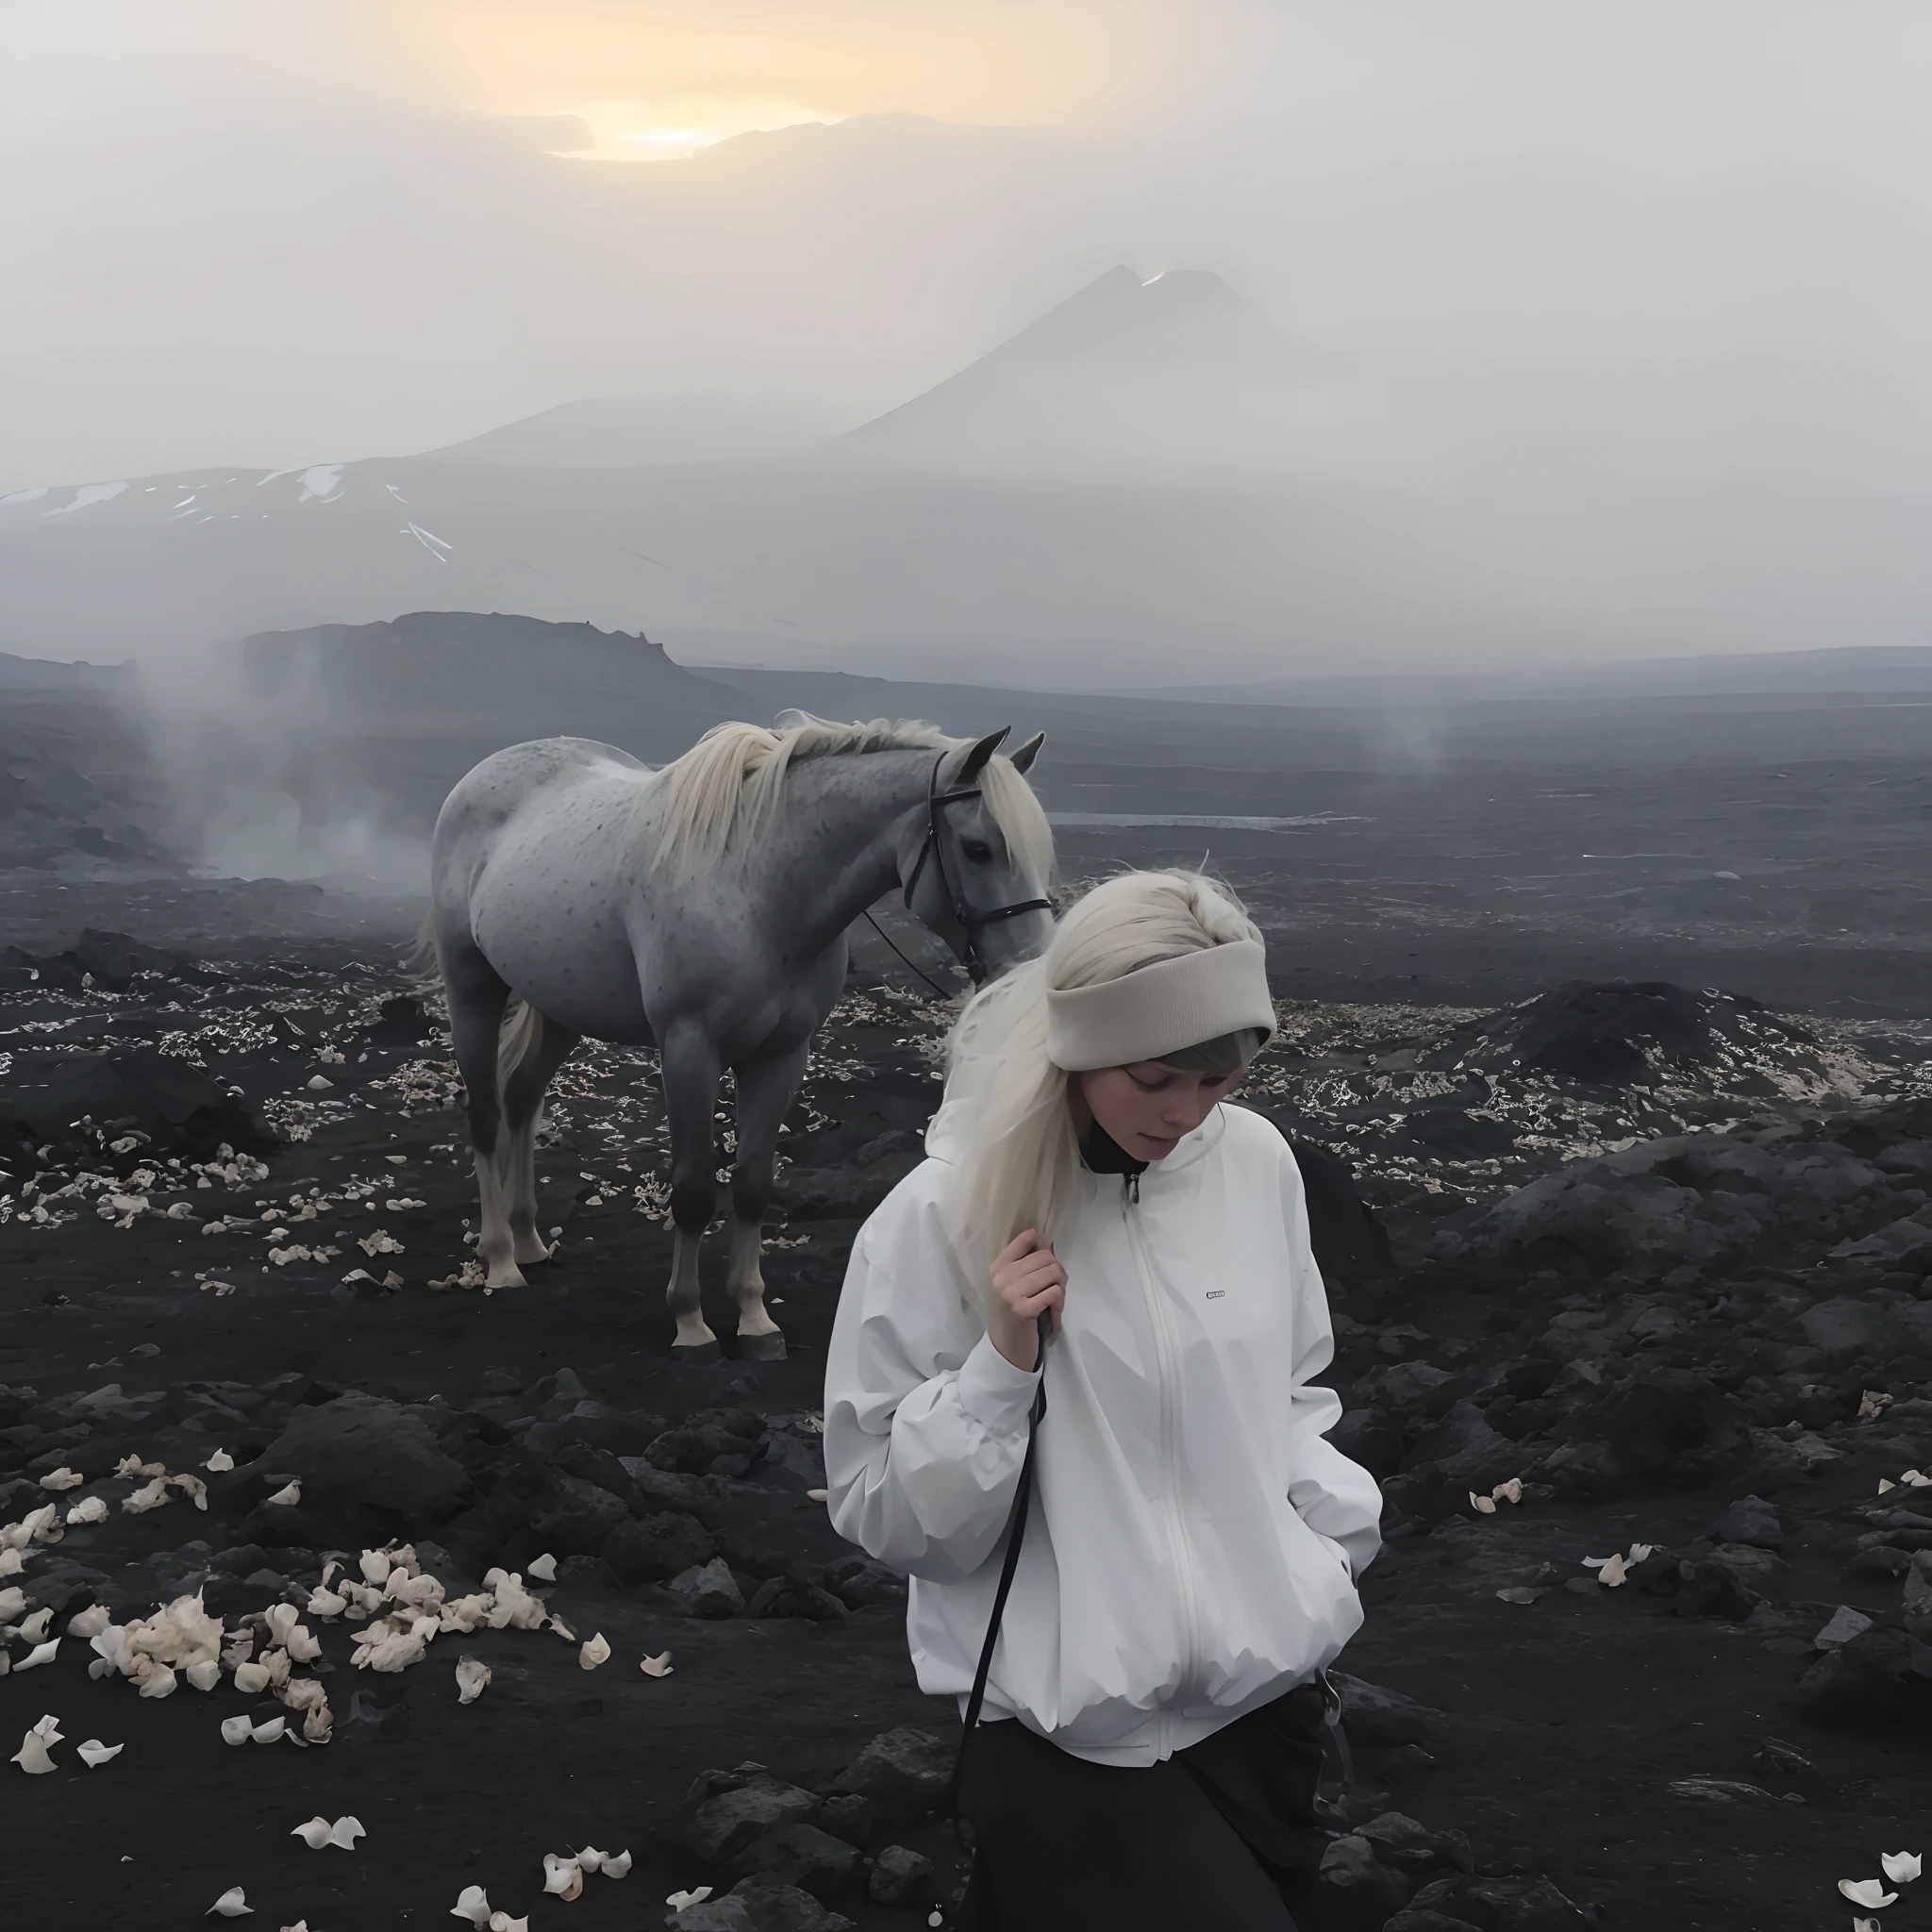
pixel 1023 759
pixel 974 761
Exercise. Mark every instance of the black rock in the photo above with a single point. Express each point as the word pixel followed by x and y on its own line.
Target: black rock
pixel 367 1464
pixel 849 1817
pixel 726 1812
pixel 900 1877
pixel 903 1772
pixel 781 1596
pixel 758 1905
pixel 1355 1890
pixel 1491 1905
pixel 1712 1590
pixel 653 1549
pixel 1750 1520
pixel 800 1854
pixel 1880 1681
pixel 576 1517
pixel 587 1572
pixel 859 1583
pixel 1667 1429
pixel 1376 1716
pixel 175 1106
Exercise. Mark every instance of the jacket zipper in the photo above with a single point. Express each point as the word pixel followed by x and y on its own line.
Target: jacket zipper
pixel 1176 1522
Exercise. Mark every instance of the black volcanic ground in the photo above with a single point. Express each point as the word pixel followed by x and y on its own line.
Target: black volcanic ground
pixel 1662 1255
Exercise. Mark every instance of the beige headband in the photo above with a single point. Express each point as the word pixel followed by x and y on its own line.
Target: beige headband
pixel 1161 1008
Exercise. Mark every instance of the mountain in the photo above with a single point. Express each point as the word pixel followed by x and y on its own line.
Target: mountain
pixel 1105 480
pixel 616 432
pixel 1176 373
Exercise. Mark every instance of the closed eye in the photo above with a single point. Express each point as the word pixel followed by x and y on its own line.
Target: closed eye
pixel 976 849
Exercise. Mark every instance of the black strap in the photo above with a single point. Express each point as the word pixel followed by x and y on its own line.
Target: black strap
pixel 1016 1528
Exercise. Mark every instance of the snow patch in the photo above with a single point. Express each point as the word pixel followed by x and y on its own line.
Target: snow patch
pixel 24 496
pixel 319 480
pixel 86 493
pixel 430 540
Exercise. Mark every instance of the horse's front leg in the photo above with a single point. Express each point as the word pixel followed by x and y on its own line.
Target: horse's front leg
pixel 766 1089
pixel 691 1068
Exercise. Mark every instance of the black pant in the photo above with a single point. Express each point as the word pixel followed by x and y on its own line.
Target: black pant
pixel 1222 1835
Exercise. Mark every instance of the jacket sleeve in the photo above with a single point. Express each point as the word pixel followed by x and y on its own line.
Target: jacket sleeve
pixel 1338 1499
pixel 925 1421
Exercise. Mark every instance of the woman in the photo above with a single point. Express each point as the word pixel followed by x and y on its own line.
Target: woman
pixel 1187 1567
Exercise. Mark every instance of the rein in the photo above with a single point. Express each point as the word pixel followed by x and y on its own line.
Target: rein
pixel 969 921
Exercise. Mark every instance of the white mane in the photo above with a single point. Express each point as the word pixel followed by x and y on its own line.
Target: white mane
pixel 729 782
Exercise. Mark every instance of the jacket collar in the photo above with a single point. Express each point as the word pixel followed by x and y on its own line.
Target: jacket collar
pixel 946 1132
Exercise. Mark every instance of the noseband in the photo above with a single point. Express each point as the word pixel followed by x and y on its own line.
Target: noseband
pixel 969 921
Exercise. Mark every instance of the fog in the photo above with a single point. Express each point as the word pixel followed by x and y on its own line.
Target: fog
pixel 1550 334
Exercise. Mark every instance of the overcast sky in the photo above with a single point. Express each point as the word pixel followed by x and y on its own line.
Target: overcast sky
pixel 1661 264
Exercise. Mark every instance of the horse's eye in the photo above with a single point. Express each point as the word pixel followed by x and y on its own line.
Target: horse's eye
pixel 976 849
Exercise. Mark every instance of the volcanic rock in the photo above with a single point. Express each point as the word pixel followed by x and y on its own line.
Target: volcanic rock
pixel 899 1878
pixel 176 1107
pixel 362 1456
pixel 784 1596
pixel 1880 1681
pixel 1751 1520
pixel 708 1589
pixel 758 1905
pixel 653 1549
pixel 724 1811
pixel 903 1772
pixel 799 1855
pixel 1491 1905
pixel 1669 1428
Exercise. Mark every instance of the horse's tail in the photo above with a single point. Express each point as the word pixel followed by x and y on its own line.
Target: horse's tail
pixel 520 1042
pixel 422 965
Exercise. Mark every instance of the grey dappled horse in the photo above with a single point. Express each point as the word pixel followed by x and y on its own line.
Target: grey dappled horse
pixel 702 908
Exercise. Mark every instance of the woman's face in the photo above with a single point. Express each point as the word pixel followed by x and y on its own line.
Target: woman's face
pixel 1147 1107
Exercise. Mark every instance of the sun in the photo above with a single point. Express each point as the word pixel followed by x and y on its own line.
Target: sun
pixel 673 131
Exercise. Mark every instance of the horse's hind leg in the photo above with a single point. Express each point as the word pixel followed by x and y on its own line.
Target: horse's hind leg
pixel 766 1089
pixel 690 1095
pixel 477 1000
pixel 535 1048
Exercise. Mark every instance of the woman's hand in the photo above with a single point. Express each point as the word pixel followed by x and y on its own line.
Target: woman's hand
pixel 1028 1282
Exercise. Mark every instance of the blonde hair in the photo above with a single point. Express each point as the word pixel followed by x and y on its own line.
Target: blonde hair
pixel 1021 1144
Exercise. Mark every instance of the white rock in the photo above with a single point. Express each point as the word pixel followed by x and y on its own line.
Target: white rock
pixel 93 1752
pixel 472 1678
pixel 344 1833
pixel 287 1496
pixel 155 1680
pixel 251 1679
pixel 40 1654
pixel 327 1605
pixel 1901 1867
pixel 659 1666
pixel 617 1865
pixel 697 1896
pixel 34 1628
pixel 62 1479
pixel 220 1461
pixel 590 1858
pixel 543 1568
pixel 236 1730
pixel 563 1876
pixel 89 1509
pixel 270 1733
pixel 12 1601
pixel 86 1625
pixel 233 1904
pixel 502 1922
pixel 597 1651
pixel 314 1834
pixel 151 1495
pixel 206 1675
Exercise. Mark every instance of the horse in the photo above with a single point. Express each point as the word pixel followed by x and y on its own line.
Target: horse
pixel 700 908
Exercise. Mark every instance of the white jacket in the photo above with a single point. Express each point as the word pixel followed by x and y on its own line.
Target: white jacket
pixel 1191 1548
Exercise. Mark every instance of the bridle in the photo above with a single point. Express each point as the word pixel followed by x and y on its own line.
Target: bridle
pixel 969 921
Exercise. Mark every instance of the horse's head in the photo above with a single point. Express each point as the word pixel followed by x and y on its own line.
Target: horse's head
pixel 976 857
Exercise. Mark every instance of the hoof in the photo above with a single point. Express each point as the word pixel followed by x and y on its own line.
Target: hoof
pixel 762 1348
pixel 531 1258
pixel 698 1354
